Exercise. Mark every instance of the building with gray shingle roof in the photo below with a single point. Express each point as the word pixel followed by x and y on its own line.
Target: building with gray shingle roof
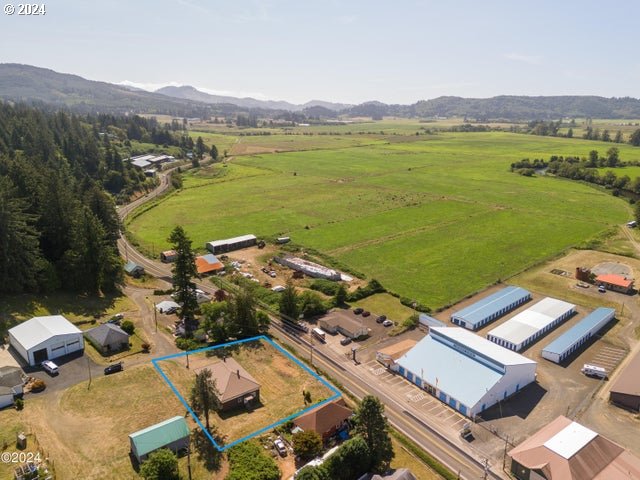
pixel 108 337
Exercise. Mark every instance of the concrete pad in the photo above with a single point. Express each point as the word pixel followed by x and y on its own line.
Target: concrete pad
pixel 6 359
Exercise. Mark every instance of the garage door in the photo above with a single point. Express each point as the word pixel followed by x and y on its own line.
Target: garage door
pixel 40 356
pixel 73 346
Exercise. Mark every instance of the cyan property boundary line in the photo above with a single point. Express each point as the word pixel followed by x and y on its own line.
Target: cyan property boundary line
pixel 156 361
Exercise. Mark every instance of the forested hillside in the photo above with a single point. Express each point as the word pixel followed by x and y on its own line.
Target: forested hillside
pixel 58 222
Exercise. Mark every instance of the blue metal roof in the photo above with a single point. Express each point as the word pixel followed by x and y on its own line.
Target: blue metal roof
pixel 477 312
pixel 575 333
pixel 430 321
pixel 448 369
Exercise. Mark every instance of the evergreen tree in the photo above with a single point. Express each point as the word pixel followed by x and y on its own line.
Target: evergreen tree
pixel 289 303
pixel 200 148
pixel 570 133
pixel 634 139
pixel 341 295
pixel 214 152
pixel 243 321
pixel 184 270
pixel 618 137
pixel 372 425
pixel 20 256
pixel 204 395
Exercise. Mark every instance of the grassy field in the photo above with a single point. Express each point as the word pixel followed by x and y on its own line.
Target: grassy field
pixel 282 383
pixel 385 304
pixel 76 308
pixel 85 430
pixel 435 218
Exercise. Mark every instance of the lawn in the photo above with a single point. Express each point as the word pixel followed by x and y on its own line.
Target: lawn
pixel 434 219
pixel 78 309
pixel 282 383
pixel 85 430
pixel 385 304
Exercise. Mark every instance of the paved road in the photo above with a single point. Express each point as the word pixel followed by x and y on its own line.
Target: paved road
pixel 456 457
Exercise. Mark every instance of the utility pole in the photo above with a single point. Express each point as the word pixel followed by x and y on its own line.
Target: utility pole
pixel 311 348
pixel 486 468
pixel 504 455
pixel 155 316
pixel 189 461
pixel 89 367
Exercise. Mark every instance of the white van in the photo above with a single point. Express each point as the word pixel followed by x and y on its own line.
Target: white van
pixel 594 371
pixel 50 367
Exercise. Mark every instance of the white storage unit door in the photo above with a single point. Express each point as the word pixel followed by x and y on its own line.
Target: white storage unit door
pixel 73 346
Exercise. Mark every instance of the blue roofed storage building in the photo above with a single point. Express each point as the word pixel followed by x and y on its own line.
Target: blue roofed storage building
pixel 491 307
pixel 576 336
pixel 464 370
pixel 173 434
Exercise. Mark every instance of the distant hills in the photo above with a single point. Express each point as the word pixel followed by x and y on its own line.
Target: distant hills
pixel 33 84
pixel 191 93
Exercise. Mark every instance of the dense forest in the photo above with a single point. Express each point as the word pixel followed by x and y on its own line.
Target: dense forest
pixel 58 177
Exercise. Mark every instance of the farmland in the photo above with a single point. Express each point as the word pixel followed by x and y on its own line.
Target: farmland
pixel 433 217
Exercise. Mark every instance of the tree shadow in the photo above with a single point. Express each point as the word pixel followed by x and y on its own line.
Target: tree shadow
pixel 205 451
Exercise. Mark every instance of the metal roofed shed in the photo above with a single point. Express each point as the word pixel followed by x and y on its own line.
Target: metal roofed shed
pixel 167 306
pixel 465 371
pixel 340 321
pixel 625 392
pixel 208 263
pixel 491 307
pixel 229 244
pixel 108 337
pixel 531 324
pixel 389 355
pixel 576 336
pixel 429 321
pixel 133 269
pixel 45 338
pixel 173 434
pixel 566 450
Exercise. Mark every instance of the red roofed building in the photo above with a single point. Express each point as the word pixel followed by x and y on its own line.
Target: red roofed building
pixel 614 282
pixel 208 264
pixel 325 420
pixel 565 450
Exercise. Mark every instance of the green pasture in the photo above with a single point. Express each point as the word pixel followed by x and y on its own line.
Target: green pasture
pixel 433 219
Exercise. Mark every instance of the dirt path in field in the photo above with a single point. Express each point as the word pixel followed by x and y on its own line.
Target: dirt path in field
pixel 161 342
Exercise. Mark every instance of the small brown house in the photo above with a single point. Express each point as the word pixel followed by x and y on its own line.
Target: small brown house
pixel 325 420
pixel 236 386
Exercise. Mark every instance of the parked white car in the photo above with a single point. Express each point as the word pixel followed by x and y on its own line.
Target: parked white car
pixel 50 367
pixel 278 288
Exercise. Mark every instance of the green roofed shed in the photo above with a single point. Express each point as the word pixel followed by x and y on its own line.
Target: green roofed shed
pixel 173 434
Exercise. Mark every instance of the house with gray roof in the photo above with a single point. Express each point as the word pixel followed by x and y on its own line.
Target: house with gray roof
pixel 108 338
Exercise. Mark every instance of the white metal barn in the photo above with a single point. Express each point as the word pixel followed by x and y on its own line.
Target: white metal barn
pixel 45 338
pixel 531 324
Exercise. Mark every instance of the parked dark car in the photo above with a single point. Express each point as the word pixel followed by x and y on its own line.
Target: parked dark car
pixel 358 310
pixel 366 313
pixel 345 341
pixel 381 318
pixel 116 367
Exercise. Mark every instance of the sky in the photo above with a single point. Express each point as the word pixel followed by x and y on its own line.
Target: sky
pixel 342 51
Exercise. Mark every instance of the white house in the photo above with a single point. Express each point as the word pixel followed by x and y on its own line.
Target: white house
pixel 45 338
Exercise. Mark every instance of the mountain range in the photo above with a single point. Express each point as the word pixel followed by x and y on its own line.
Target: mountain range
pixel 39 85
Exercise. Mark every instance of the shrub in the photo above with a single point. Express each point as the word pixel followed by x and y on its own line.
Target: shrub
pixel 248 461
pixel 128 327
pixel 307 444
pixel 145 347
pixel 327 287
pixel 186 343
pixel 161 465
pixel 369 289
pixel 38 385
pixel 19 404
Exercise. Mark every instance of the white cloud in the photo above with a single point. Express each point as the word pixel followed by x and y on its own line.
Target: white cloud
pixel 519 57
pixel 152 87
